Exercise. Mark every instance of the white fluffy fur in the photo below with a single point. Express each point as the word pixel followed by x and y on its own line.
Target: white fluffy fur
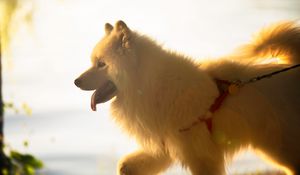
pixel 160 92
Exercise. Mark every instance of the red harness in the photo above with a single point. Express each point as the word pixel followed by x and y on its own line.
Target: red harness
pixel 226 87
pixel 223 87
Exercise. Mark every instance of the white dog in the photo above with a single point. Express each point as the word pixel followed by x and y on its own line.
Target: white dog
pixel 178 110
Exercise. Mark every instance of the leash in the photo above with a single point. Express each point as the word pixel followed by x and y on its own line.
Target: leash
pixel 252 80
pixel 225 88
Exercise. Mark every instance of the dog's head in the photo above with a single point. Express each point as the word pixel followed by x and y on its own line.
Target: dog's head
pixel 110 59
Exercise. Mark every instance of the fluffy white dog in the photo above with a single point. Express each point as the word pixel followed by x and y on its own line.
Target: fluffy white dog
pixel 178 110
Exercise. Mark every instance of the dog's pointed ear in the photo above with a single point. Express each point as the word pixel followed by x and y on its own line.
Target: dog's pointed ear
pixel 108 28
pixel 124 33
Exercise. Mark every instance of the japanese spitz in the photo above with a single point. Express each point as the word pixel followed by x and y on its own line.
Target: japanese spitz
pixel 164 99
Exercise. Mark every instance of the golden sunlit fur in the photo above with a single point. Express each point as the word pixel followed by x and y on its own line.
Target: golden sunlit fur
pixel 160 92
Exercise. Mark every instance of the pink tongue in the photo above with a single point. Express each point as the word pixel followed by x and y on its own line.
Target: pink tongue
pixel 93 102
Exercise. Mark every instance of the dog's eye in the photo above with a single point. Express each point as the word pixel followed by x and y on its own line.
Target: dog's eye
pixel 100 64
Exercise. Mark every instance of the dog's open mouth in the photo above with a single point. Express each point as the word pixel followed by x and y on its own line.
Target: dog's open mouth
pixel 104 93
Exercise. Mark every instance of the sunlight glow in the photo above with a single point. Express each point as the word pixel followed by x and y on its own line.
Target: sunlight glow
pixel 273 163
pixel 48 59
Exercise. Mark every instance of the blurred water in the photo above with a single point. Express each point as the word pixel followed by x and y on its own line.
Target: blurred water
pixel 62 130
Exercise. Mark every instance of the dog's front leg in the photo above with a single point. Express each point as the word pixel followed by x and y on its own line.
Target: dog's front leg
pixel 205 166
pixel 141 163
pixel 199 153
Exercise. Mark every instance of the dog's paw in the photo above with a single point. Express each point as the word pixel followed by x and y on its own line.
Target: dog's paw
pixel 126 169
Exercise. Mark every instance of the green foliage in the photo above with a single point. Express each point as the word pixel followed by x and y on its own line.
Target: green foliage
pixel 12 107
pixel 22 164
pixel 25 162
pixel 19 164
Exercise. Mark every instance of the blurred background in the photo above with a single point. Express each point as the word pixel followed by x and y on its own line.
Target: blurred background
pixel 50 43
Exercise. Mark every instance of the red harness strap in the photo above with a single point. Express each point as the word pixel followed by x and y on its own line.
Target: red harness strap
pixel 207 119
pixel 213 108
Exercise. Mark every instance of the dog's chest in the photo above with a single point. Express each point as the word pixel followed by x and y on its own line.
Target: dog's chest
pixel 140 121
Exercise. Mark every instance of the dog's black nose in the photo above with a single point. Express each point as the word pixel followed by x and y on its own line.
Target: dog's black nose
pixel 77 82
